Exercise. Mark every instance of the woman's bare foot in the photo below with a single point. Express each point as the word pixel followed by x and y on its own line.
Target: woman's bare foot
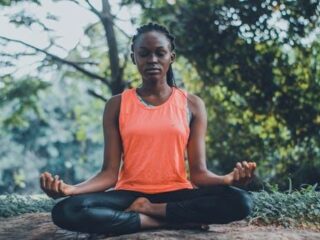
pixel 140 205
pixel 148 222
pixel 144 206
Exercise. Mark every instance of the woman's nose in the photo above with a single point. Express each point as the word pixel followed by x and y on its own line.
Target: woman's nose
pixel 152 58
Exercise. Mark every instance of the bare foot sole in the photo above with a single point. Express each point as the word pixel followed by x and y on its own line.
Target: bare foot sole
pixel 138 205
pixel 141 204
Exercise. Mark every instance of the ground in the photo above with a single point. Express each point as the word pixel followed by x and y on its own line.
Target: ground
pixel 38 226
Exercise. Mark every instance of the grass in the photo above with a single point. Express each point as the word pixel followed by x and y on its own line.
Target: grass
pixel 14 204
pixel 288 209
pixel 300 208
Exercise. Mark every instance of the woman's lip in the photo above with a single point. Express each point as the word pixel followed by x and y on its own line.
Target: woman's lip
pixel 153 70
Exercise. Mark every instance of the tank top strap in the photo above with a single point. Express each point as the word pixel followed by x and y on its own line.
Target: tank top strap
pixel 126 98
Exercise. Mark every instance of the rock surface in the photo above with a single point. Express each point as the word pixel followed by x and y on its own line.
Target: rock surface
pixel 38 226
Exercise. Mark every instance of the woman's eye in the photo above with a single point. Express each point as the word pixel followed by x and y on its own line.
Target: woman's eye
pixel 161 53
pixel 143 54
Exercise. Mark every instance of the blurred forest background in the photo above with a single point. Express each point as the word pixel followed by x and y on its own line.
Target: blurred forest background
pixel 256 64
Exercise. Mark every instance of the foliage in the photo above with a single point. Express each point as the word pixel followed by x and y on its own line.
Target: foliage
pixel 53 132
pixel 13 205
pixel 21 98
pixel 11 2
pixel 291 209
pixel 254 63
pixel 53 123
pixel 258 73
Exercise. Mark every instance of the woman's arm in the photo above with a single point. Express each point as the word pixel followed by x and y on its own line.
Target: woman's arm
pixel 199 174
pixel 108 175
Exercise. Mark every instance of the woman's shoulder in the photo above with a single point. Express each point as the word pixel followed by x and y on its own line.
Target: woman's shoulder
pixel 195 103
pixel 112 105
pixel 114 100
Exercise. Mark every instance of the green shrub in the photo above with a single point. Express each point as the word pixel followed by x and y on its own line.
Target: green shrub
pixel 14 204
pixel 288 209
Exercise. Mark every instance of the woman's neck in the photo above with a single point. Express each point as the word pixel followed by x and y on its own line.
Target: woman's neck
pixel 154 88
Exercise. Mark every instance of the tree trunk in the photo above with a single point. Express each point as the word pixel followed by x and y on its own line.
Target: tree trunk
pixel 117 83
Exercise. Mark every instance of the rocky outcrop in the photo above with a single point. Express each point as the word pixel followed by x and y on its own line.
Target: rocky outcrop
pixel 38 226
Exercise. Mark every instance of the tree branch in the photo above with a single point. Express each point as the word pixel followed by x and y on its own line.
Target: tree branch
pixel 93 9
pixel 107 21
pixel 87 63
pixel 97 95
pixel 124 65
pixel 56 58
pixel 122 31
pixel 101 15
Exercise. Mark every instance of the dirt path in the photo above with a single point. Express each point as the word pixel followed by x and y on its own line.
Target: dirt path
pixel 39 226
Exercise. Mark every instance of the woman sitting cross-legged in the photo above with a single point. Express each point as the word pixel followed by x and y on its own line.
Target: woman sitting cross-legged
pixel 149 128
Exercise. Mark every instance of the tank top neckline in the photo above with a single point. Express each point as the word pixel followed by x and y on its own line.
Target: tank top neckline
pixel 154 107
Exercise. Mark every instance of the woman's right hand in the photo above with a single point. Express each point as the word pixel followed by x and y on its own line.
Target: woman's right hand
pixel 54 187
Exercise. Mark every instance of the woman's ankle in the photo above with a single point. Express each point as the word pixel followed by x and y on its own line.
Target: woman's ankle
pixel 147 222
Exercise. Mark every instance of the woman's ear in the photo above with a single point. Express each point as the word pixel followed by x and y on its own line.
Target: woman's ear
pixel 132 58
pixel 173 57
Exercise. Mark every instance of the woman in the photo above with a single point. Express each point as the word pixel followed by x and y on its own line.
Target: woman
pixel 150 128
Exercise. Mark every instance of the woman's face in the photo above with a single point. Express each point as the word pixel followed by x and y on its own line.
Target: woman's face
pixel 153 55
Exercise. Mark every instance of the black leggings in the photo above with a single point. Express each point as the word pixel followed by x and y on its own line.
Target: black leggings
pixel 103 212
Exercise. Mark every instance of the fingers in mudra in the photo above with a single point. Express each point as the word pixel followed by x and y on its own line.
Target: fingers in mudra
pixel 253 165
pixel 247 169
pixel 236 175
pixel 49 184
pixel 241 170
pixel 47 179
pixel 54 183
pixel 60 186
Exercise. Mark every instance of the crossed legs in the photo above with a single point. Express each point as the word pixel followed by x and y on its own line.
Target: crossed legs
pixel 218 204
pixel 121 211
pixel 152 215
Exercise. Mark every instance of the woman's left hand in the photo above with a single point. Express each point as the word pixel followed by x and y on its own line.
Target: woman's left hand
pixel 242 174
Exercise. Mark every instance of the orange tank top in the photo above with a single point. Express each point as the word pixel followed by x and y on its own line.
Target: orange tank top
pixel 154 142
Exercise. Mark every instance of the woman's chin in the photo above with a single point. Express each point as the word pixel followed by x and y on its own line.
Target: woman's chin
pixel 153 77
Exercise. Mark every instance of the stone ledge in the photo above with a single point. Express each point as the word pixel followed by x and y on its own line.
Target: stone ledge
pixel 38 226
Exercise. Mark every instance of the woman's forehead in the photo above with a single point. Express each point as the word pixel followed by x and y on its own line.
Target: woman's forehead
pixel 152 39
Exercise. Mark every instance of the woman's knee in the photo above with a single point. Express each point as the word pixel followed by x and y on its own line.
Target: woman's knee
pixel 64 213
pixel 243 203
pixel 58 213
pixel 75 213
